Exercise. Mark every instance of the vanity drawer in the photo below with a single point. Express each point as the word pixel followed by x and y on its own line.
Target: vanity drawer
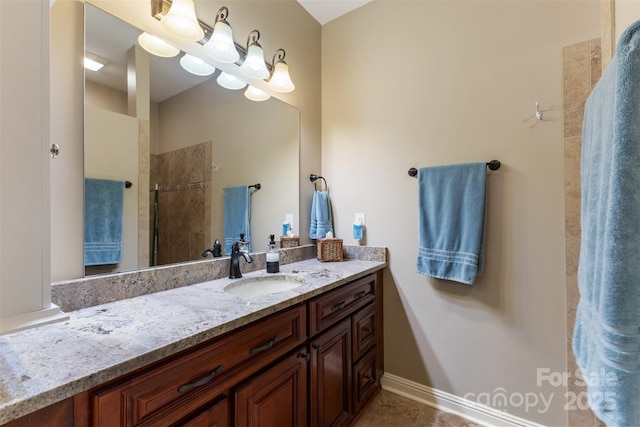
pixel 193 379
pixel 339 303
pixel 363 327
pixel 365 380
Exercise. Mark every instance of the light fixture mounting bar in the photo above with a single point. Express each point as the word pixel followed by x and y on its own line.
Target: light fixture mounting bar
pixel 160 8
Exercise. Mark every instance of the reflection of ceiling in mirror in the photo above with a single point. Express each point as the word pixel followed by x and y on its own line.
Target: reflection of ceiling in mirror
pixel 111 38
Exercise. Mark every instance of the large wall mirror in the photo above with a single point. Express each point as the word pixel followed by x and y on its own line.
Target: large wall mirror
pixel 149 122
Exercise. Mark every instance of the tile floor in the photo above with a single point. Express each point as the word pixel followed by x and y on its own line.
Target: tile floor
pixel 391 410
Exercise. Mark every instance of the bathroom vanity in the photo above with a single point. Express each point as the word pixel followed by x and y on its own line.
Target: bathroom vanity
pixel 198 355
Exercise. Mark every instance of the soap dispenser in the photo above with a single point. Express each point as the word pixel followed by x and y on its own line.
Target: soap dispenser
pixel 217 249
pixel 358 229
pixel 273 256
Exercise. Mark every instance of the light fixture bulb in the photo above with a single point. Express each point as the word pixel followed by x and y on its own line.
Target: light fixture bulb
pixel 255 94
pixel 253 65
pixel 221 46
pixel 280 80
pixel 157 46
pixel 181 21
pixel 196 66
pixel 229 81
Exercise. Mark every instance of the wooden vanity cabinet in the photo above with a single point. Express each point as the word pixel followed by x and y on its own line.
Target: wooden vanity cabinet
pixel 345 329
pixel 315 364
pixel 173 390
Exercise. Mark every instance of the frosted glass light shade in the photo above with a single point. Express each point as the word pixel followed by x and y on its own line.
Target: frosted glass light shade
pixel 281 81
pixel 229 81
pixel 221 46
pixel 157 46
pixel 181 21
pixel 254 66
pixel 255 94
pixel 196 66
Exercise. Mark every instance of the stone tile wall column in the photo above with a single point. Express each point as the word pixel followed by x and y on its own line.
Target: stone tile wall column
pixel 582 68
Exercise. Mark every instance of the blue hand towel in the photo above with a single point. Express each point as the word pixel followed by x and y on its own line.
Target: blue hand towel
pixel 451 220
pixel 606 339
pixel 103 221
pixel 237 211
pixel 321 222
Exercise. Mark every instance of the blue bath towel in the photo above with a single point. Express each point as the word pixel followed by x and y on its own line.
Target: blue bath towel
pixel 321 222
pixel 103 221
pixel 606 339
pixel 237 213
pixel 451 219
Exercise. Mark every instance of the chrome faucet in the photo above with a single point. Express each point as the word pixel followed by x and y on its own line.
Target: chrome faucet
pixel 234 268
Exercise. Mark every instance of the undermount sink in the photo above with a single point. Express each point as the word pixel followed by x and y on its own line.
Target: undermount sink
pixel 264 285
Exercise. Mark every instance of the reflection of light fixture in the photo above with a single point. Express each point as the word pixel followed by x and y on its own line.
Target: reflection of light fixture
pixel 181 21
pixel 229 81
pixel 157 46
pixel 220 45
pixel 196 66
pixel 253 65
pixel 255 94
pixel 94 62
pixel 280 80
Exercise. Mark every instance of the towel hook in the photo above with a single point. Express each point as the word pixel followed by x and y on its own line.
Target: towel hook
pixel 538 112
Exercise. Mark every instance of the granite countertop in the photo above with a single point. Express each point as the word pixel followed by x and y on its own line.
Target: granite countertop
pixel 41 366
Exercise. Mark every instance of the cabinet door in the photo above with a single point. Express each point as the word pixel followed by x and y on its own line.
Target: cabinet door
pixel 277 397
pixel 331 376
pixel 215 415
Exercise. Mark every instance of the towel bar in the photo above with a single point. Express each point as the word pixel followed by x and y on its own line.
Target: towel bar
pixel 492 165
pixel 256 186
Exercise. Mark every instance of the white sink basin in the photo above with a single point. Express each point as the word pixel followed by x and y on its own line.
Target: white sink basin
pixel 263 285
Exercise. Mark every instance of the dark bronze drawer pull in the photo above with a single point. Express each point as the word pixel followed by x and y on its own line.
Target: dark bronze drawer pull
pixel 338 306
pixel 359 294
pixel 201 381
pixel 264 347
pixel 304 355
pixel 368 330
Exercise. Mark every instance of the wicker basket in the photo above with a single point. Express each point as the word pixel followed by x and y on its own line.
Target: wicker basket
pixel 329 250
pixel 289 242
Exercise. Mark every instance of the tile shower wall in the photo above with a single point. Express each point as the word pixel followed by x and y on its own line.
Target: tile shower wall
pixel 184 203
pixel 582 69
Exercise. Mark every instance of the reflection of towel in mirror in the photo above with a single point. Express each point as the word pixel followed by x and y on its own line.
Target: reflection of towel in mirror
pixel 321 222
pixel 451 219
pixel 103 221
pixel 606 339
pixel 237 211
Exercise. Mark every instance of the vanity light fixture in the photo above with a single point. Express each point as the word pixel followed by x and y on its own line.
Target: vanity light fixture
pixel 221 46
pixel 229 81
pixel 255 94
pixel 253 65
pixel 94 62
pixel 157 46
pixel 196 66
pixel 280 80
pixel 181 21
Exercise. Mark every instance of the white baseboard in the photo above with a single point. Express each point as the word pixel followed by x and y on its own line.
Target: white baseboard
pixel 448 402
pixel 32 319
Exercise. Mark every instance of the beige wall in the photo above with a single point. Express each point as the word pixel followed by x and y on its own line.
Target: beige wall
pixel 626 13
pixel 112 153
pixel 452 82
